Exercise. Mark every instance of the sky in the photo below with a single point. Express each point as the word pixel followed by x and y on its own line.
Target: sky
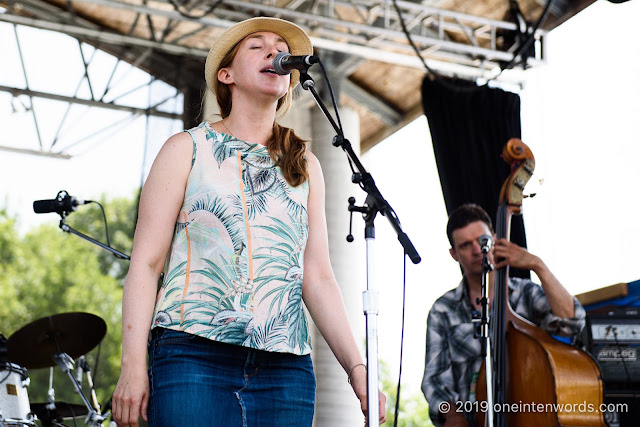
pixel 579 117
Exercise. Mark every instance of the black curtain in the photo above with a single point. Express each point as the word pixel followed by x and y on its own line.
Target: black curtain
pixel 469 127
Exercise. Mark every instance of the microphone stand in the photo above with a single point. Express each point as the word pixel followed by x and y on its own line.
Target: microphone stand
pixel 66 228
pixel 484 336
pixel 374 203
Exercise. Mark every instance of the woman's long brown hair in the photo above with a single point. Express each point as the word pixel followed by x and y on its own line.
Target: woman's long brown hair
pixel 285 147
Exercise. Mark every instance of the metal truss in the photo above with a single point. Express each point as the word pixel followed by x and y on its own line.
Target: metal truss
pixel 54 144
pixel 366 28
pixel 452 43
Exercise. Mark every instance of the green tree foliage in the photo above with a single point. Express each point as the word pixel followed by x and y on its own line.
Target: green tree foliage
pixel 413 410
pixel 47 272
pixel 9 249
pixel 122 215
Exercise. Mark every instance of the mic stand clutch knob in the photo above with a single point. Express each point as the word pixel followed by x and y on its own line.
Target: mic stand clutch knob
pixel 353 208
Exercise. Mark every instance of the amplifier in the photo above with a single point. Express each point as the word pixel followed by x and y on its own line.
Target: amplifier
pixel 613 339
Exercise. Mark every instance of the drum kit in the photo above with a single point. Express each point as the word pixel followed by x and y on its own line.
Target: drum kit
pixel 49 341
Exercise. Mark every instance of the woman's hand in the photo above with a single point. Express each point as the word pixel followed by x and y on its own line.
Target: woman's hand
pixel 130 397
pixel 358 380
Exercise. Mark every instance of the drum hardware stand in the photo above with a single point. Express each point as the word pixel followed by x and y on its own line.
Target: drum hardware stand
pixel 94 398
pixel 57 339
pixel 51 393
pixel 374 203
pixel 65 362
pixel 51 398
pixel 82 364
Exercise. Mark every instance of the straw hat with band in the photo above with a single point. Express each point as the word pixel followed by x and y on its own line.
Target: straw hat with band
pixel 295 37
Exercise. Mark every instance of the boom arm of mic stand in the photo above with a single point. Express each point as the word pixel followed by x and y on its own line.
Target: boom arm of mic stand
pixel 381 205
pixel 64 227
pixel 378 202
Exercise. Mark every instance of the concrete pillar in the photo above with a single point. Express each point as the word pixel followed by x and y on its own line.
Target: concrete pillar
pixel 336 404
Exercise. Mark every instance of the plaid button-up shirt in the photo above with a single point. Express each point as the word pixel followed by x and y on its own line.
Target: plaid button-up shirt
pixel 453 355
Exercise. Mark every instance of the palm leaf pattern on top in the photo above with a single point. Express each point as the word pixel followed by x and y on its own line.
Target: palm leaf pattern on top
pixel 283 260
pixel 232 221
pixel 269 335
pixel 224 279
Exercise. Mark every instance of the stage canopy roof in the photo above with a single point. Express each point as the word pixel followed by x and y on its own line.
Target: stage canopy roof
pixel 361 40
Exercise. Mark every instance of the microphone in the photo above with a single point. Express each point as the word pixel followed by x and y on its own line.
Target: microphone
pixel 284 63
pixel 62 204
pixel 485 242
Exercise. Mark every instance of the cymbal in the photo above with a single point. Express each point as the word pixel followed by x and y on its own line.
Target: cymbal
pixel 75 333
pixel 63 410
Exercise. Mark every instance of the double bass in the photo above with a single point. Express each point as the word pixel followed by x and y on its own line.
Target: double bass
pixel 537 380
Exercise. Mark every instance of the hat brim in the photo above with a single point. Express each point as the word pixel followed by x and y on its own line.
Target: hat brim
pixel 295 37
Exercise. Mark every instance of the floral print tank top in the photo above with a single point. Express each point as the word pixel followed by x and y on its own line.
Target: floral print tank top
pixel 234 270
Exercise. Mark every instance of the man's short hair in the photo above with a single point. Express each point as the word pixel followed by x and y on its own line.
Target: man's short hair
pixel 464 215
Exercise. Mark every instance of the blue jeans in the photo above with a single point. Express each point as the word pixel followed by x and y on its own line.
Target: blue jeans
pixel 195 381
